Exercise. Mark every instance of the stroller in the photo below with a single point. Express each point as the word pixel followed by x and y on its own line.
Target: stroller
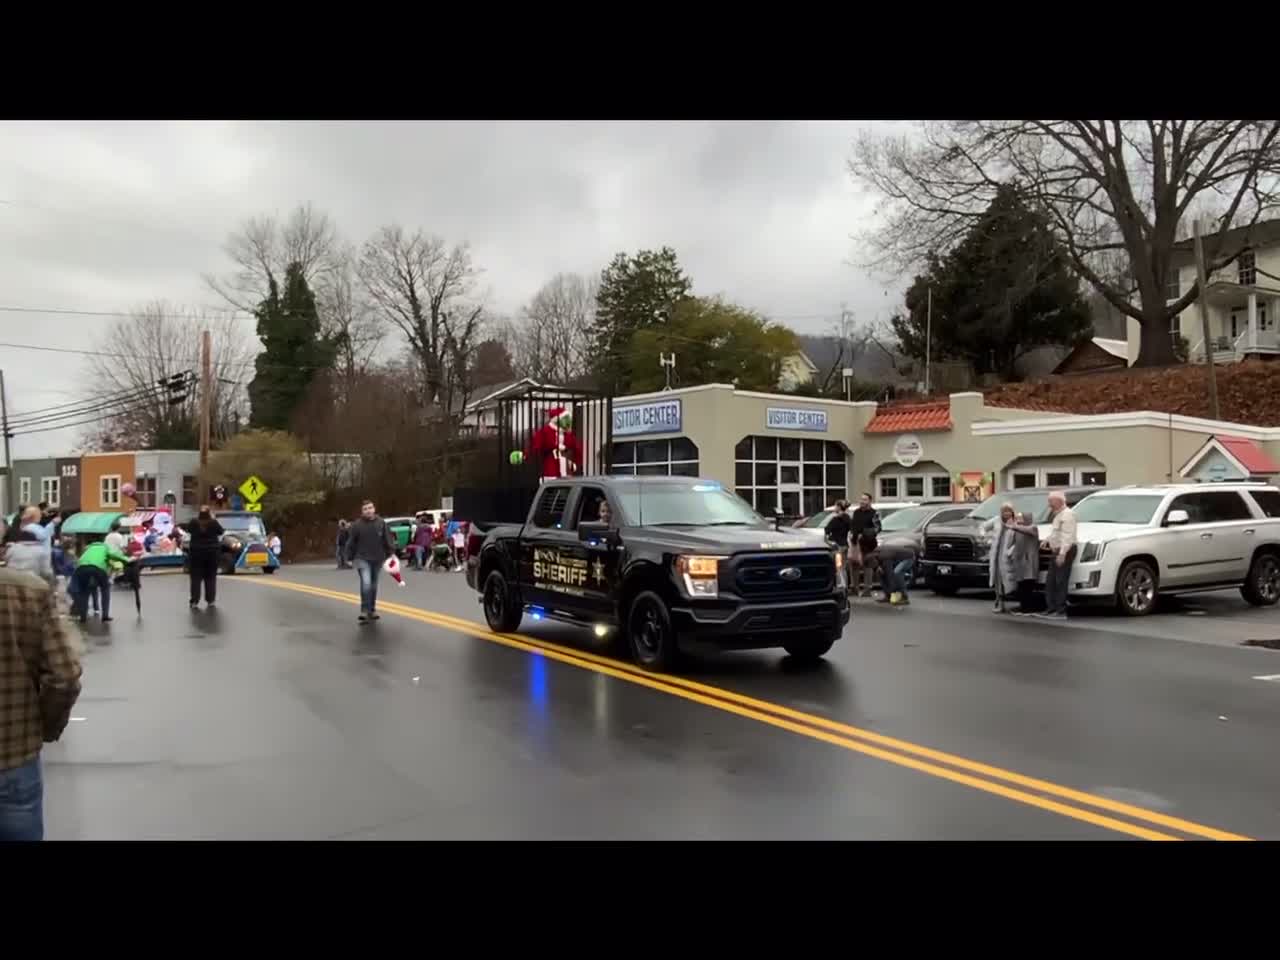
pixel 441 558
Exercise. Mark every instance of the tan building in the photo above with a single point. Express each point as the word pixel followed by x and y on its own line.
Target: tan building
pixel 800 454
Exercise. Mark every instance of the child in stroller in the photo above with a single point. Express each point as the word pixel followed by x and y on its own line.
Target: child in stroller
pixel 441 557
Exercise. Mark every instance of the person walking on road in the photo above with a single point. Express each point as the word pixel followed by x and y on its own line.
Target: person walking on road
pixel 92 576
pixel 1062 545
pixel 39 684
pixel 369 544
pixel 203 551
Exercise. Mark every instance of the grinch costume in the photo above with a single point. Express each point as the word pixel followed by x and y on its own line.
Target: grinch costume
pixel 554 445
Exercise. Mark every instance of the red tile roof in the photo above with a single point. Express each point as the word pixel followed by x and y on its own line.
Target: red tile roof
pixel 1251 456
pixel 917 419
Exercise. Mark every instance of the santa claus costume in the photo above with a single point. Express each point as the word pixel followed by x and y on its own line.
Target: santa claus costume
pixel 554 445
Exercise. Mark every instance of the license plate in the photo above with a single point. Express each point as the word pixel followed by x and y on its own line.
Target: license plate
pixel 944 571
pixel 256 559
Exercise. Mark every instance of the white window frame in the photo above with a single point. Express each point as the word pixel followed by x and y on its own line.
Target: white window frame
pixel 831 491
pixel 902 495
pixel 669 463
pixel 1247 269
pixel 1075 475
pixel 1034 475
pixel 24 490
pixel 102 490
pixel 50 490
pixel 1173 287
pixel 152 497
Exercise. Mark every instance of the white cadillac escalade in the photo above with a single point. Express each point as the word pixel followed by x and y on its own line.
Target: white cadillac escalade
pixel 1135 543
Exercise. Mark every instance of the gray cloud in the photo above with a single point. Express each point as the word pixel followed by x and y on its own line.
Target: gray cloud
pixel 105 216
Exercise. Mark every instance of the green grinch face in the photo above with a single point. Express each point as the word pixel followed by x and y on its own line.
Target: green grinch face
pixel 564 421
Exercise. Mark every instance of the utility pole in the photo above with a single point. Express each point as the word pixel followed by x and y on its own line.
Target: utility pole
pixel 206 406
pixel 928 341
pixel 1202 280
pixel 8 462
pixel 669 365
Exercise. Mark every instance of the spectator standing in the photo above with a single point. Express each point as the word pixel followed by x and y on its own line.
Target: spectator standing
pixel 460 547
pixel 344 532
pixel 39 684
pixel 1062 546
pixel 864 531
pixel 421 545
pixel 1024 559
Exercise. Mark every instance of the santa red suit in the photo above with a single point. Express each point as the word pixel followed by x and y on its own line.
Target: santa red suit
pixel 554 445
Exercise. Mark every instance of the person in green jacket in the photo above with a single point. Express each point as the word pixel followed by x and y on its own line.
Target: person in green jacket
pixel 92 574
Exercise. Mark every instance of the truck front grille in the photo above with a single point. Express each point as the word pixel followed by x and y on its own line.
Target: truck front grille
pixel 760 577
pixel 948 548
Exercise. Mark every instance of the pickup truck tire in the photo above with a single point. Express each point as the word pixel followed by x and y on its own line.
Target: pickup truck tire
pixel 1137 589
pixel 501 605
pixel 651 638
pixel 1262 586
pixel 809 649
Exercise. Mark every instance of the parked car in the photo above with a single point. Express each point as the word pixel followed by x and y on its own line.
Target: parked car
pixel 909 525
pixel 816 525
pixel 1137 543
pixel 956 554
pixel 403 528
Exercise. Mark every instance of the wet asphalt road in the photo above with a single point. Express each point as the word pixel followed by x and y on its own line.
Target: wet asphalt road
pixel 277 716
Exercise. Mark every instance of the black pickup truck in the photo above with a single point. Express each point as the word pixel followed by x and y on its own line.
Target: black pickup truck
pixel 665 565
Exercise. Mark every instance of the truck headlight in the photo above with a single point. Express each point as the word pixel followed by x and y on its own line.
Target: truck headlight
pixel 1093 552
pixel 701 575
pixel 234 544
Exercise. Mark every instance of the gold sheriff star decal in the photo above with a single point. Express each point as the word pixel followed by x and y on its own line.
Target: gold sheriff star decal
pixel 597 571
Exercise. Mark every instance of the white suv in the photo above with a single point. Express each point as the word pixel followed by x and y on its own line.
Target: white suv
pixel 1138 542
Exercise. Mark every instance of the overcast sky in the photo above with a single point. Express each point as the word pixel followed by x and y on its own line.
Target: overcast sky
pixel 106 216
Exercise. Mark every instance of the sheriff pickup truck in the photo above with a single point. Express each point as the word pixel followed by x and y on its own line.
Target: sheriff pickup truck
pixel 666 565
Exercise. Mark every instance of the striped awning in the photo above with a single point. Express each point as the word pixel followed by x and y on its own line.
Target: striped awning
pixel 139 517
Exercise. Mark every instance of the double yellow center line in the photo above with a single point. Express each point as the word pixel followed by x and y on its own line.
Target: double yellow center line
pixel 1031 791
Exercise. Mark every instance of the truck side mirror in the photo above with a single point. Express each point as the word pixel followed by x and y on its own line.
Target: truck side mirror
pixel 1177 518
pixel 597 533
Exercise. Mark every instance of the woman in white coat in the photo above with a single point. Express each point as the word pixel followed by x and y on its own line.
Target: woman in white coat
pixel 1014 554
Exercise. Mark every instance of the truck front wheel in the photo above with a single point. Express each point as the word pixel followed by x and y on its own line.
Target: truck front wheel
pixel 650 636
pixel 809 649
pixel 501 605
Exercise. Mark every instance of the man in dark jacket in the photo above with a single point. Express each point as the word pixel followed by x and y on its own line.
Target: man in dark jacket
pixel 369 543
pixel 204 549
pixel 864 529
pixel 897 565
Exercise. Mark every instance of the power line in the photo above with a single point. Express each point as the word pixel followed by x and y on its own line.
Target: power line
pixel 111 403
pixel 96 417
pixel 58 311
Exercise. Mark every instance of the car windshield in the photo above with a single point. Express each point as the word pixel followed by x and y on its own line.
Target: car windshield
pixel 1138 508
pixel 819 520
pixel 249 525
pixel 699 504
pixel 906 518
pixel 1036 504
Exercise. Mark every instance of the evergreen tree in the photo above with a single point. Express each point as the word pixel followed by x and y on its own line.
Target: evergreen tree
pixel 1007 288
pixel 636 292
pixel 294 351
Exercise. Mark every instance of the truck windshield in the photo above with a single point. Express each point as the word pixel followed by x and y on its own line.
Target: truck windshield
pixel 1036 504
pixel 658 504
pixel 250 525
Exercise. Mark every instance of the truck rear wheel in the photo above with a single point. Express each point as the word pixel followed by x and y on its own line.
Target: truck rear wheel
pixel 650 635
pixel 809 649
pixel 501 605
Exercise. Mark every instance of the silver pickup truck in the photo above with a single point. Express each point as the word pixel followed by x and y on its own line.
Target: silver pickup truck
pixel 1136 543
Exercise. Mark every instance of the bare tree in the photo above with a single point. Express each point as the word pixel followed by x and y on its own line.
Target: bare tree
pixel 552 341
pixel 157 342
pixel 355 323
pixel 1108 188
pixel 427 291
pixel 262 249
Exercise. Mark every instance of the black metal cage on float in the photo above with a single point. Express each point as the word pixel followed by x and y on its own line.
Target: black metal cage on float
pixel 521 417
pixel 515 422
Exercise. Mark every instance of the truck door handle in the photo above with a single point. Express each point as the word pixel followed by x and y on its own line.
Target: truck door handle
pixel 1249 533
pixel 1206 536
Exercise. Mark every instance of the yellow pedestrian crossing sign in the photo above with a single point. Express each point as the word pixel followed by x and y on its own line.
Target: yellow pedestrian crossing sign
pixel 253 489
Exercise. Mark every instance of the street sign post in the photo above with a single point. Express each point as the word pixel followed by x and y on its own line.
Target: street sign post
pixel 253 489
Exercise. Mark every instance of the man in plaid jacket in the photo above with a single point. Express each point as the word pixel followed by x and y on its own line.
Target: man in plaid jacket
pixel 39 684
